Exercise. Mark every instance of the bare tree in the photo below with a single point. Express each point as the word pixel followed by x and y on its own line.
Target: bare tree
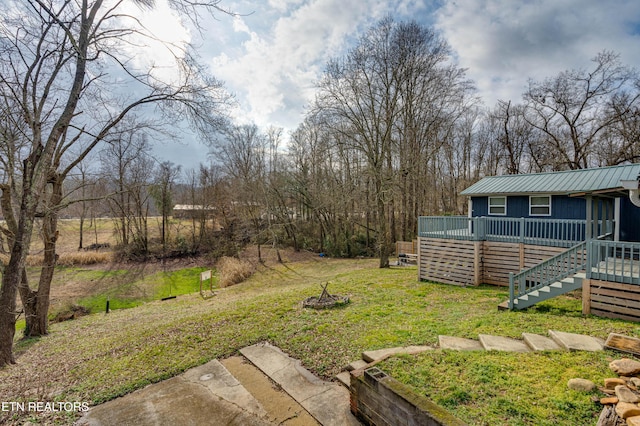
pixel 81 196
pixel 126 165
pixel 620 142
pixel 242 152
pixel 396 87
pixel 571 108
pixel 53 69
pixel 161 191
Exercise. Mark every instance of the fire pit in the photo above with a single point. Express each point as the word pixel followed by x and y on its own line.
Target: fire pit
pixel 325 300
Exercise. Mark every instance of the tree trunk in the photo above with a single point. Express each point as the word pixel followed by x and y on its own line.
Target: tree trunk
pixel 80 242
pixel 36 303
pixel 11 279
pixel 8 309
pixel 28 298
pixel 383 227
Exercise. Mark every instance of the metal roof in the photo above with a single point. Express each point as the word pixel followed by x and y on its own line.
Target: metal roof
pixel 570 182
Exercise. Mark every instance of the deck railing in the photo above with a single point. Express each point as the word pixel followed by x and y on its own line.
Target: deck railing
pixel 614 261
pixel 548 232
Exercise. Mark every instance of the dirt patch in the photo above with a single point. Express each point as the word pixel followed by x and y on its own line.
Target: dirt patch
pixel 74 312
pixel 269 255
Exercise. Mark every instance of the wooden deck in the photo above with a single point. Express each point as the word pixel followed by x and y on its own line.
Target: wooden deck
pixel 472 251
pixel 612 268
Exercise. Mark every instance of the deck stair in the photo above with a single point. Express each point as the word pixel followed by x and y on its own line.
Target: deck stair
pixel 555 276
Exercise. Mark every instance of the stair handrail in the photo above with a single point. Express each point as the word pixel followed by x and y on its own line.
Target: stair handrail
pixel 556 268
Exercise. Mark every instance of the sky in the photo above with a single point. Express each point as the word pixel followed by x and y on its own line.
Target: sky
pixel 273 52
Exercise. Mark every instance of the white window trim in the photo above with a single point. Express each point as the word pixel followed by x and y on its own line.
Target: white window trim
pixel 504 197
pixel 540 205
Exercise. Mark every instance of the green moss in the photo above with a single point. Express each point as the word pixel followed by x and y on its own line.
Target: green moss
pixel 130 291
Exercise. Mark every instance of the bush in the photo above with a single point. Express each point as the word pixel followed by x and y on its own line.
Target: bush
pixel 84 258
pixel 69 312
pixel 233 271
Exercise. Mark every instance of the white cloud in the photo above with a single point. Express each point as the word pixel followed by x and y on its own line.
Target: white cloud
pixel 272 57
pixel 276 71
pixel 163 37
pixel 284 5
pixel 504 42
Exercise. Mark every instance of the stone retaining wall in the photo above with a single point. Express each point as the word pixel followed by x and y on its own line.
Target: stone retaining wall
pixel 378 399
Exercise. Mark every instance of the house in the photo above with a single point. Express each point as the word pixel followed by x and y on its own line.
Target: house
pixel 596 194
pixel 542 235
pixel 192 211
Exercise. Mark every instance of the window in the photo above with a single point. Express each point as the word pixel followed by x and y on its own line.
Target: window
pixel 540 205
pixel 498 205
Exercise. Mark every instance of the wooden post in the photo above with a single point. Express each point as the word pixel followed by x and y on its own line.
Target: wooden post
pixel 419 256
pixel 589 218
pixel 522 257
pixel 586 296
pixel 477 261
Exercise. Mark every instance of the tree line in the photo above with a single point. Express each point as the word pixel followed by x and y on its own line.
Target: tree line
pixel 395 131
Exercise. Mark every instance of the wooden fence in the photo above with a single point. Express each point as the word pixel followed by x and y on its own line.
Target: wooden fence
pixel 406 247
pixel 463 262
pixel 611 300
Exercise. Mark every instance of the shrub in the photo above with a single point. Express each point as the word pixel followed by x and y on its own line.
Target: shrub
pixel 84 258
pixel 69 312
pixel 233 271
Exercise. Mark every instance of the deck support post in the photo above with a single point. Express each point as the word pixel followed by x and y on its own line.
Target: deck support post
pixel 477 262
pixel 586 296
pixel 511 290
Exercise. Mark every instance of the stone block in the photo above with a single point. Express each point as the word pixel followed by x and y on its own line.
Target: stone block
pixel 577 342
pixel 380 354
pixel 540 343
pixel 626 410
pixel 459 343
pixel 611 383
pixel 499 343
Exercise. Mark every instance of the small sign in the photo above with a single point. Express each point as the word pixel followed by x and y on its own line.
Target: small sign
pixel 204 276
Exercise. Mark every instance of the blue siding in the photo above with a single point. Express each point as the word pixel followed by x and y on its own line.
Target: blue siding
pixel 629 221
pixel 562 207
pixel 568 207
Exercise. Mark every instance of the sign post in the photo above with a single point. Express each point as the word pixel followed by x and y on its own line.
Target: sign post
pixel 204 276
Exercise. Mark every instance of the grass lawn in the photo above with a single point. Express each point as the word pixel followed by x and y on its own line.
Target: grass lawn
pixel 100 357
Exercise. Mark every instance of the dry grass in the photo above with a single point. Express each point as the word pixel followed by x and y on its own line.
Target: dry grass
pixel 233 271
pixel 68 259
